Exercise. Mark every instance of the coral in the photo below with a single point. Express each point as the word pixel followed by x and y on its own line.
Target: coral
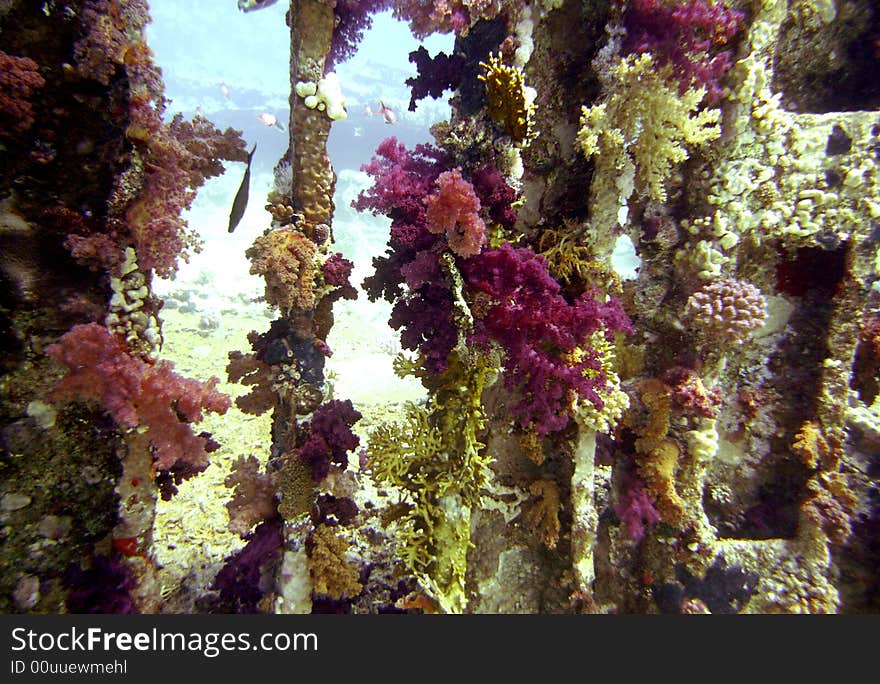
pixel 614 400
pixel 444 16
pixel 332 574
pixel 110 29
pixel 510 102
pixel 250 371
pixel 635 509
pixel 337 271
pixel 454 210
pixel 253 499
pixel 543 515
pixel 286 259
pixel 179 157
pixel 19 78
pixel 724 590
pixel 352 18
pixel 328 437
pixel 137 394
pixel 831 505
pixel 435 74
pixel 689 394
pixel 812 447
pixel 402 180
pixel 689 35
pixel 539 331
pixel 332 510
pixel 643 128
pixel 425 320
pixel 496 196
pixel 657 470
pixel 652 424
pixel 726 311
pixel 103 588
pixel 249 574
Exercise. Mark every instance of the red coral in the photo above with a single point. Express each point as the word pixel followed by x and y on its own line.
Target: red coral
pixel 337 271
pixel 108 29
pixel 19 78
pixel 495 195
pixel 136 393
pixel 455 210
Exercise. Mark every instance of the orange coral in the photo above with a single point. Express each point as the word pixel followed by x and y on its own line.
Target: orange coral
pixel 286 259
pixel 543 516
pixel 655 397
pixel 657 470
pixel 831 505
pixel 248 370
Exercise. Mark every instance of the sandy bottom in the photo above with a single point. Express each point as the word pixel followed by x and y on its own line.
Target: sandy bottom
pixel 191 535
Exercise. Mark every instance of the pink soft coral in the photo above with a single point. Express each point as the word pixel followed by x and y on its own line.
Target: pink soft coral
pixel 19 78
pixel 455 210
pixel 635 509
pixel 137 394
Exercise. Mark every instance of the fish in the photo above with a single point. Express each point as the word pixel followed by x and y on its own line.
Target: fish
pixel 225 90
pixel 388 113
pixel 239 204
pixel 270 120
pixel 367 110
pixel 251 5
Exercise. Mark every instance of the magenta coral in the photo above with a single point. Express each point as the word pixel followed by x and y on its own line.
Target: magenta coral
pixel 337 271
pixel 353 17
pixel 495 195
pixel 137 394
pixel 402 179
pixel 455 210
pixel 328 437
pixel 690 35
pixel 539 331
pixel 635 509
pixel 19 78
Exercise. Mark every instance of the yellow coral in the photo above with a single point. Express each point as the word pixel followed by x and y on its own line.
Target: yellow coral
pixel 644 128
pixel 658 472
pixel 615 399
pixel 332 574
pixel 510 102
pixel 543 515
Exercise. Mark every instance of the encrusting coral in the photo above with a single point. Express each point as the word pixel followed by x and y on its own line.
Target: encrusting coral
pixel 510 103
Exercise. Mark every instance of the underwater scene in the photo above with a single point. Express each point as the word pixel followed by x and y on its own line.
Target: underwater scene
pixel 467 306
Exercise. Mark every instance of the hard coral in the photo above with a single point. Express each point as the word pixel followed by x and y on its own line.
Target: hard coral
pixel 454 210
pixel 539 332
pixel 690 35
pixel 286 259
pixel 510 104
pixel 726 311
pixel 19 78
pixel 137 394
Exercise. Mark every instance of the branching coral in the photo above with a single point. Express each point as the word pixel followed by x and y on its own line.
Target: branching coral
pixel 510 102
pixel 353 17
pixel 328 438
pixel 19 78
pixel 286 259
pixel 137 394
pixel 454 210
pixel 539 331
pixel 643 129
pixel 726 311
pixel 436 74
pixel 179 157
pixel 690 35
pixel 253 499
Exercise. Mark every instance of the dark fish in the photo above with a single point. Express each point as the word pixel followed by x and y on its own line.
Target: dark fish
pixel 251 5
pixel 239 204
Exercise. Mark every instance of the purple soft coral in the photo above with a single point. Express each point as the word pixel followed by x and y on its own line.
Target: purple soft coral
pixel 689 35
pixel 635 509
pixel 539 332
pixel 329 437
